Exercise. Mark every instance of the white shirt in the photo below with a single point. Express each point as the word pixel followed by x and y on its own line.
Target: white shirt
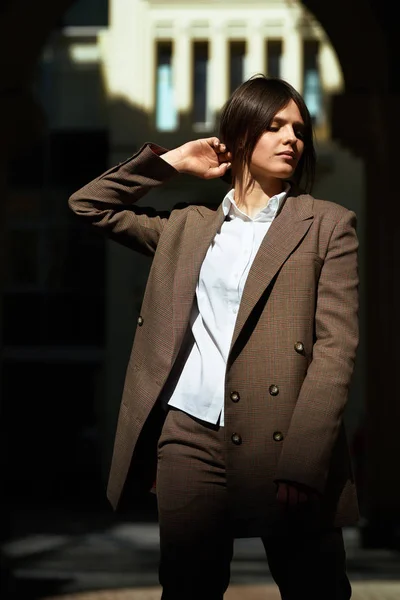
pixel 200 389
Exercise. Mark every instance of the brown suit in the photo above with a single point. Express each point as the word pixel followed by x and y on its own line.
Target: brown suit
pixel 293 347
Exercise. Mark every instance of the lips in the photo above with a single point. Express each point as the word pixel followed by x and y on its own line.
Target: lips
pixel 287 154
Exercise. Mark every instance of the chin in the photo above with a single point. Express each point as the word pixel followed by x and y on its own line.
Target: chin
pixel 285 174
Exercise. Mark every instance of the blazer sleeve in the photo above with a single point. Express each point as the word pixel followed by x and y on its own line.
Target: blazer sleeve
pixel 107 202
pixel 317 417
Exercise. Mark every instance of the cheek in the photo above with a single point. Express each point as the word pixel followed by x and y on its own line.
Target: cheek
pixel 262 153
pixel 300 152
pixel 300 148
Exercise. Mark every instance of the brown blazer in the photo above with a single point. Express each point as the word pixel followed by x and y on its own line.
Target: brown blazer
pixel 293 347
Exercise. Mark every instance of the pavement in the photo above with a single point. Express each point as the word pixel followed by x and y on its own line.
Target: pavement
pixel 82 556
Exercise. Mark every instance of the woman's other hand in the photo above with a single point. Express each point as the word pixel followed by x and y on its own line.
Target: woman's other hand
pixel 291 495
pixel 206 158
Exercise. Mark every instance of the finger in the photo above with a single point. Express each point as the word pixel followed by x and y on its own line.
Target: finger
pixel 215 172
pixel 217 144
pixel 225 157
pixel 213 141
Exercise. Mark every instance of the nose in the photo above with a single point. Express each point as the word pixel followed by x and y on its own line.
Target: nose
pixel 289 136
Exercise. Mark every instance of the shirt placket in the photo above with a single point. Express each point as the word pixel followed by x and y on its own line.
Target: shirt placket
pixel 247 257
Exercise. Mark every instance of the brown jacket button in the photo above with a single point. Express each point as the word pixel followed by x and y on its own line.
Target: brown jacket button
pixel 235 396
pixel 278 436
pixel 140 321
pixel 299 347
pixel 236 439
pixel 273 390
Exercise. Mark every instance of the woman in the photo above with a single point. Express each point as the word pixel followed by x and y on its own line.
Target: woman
pixel 246 339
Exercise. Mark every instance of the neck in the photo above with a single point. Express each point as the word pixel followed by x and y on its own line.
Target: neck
pixel 258 195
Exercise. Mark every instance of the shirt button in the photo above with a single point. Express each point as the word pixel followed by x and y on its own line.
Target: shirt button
pixel 273 390
pixel 299 347
pixel 140 321
pixel 234 310
pixel 236 439
pixel 235 396
pixel 278 436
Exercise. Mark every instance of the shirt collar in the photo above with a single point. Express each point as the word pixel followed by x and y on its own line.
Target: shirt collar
pixel 230 207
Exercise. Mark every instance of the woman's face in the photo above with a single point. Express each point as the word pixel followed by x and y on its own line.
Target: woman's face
pixel 280 148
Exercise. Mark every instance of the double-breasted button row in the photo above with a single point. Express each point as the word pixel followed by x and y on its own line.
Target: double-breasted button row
pixel 299 347
pixel 273 390
pixel 140 321
pixel 237 439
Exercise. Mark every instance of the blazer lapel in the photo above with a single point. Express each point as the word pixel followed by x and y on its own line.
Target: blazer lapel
pixel 201 227
pixel 285 233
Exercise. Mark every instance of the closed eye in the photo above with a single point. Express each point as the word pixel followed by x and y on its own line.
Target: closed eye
pixel 299 133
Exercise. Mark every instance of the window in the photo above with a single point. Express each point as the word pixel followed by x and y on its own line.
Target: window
pixel 48 250
pixel 166 113
pixel 66 157
pixel 237 55
pixel 200 77
pixel 274 58
pixel 312 81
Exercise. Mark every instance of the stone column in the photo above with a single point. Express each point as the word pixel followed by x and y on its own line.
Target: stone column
pixel 219 68
pixel 126 38
pixel 182 67
pixel 255 59
pixel 292 63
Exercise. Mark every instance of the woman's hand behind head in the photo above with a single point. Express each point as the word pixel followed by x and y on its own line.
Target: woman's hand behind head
pixel 206 158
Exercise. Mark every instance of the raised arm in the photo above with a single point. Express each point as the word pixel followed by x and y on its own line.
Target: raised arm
pixel 108 201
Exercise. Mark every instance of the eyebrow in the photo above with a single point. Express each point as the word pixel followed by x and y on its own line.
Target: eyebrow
pixel 283 121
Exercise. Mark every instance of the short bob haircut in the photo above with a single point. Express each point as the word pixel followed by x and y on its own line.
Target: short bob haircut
pixel 248 113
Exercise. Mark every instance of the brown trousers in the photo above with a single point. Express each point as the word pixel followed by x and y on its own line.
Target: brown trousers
pixel 196 541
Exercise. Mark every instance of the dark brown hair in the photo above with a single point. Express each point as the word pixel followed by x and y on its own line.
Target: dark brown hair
pixel 247 115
